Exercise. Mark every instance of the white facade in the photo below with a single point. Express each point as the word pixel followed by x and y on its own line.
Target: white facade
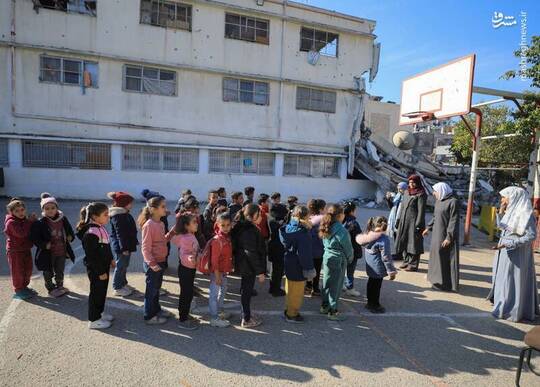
pixel 196 117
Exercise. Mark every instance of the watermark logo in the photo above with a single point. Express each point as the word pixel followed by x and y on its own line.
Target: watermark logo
pixel 499 20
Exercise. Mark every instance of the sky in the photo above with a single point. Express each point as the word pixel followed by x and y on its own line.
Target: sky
pixel 417 35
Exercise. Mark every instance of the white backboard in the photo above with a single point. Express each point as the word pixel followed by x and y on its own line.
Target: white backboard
pixel 444 91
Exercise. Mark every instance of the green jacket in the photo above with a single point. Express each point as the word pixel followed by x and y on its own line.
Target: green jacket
pixel 338 245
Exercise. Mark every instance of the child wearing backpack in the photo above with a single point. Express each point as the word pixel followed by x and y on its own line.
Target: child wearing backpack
pixel 221 264
pixel 123 240
pixel 98 260
pixel 188 252
pixel 19 248
pixel 379 263
pixel 52 235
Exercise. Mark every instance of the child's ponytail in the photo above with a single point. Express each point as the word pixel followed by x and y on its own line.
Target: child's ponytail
pixel 376 222
pixel 89 211
pixel 146 212
pixel 333 211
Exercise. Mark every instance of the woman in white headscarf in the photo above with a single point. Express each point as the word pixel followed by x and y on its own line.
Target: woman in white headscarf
pixel 443 269
pixel 514 292
pixel 394 202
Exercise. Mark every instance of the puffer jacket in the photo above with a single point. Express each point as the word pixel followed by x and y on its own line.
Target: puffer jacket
pixel 249 249
pixel 17 231
pixel 97 248
pixel 354 229
pixel 123 230
pixel 40 235
pixel 296 239
pixel 379 261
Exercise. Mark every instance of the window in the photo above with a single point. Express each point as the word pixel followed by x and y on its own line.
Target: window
pixel 166 14
pixel 4 152
pixel 316 100
pixel 68 71
pixel 247 28
pixel 149 80
pixel 86 7
pixel 311 166
pixel 241 162
pixel 151 158
pixel 314 40
pixel 60 154
pixel 241 90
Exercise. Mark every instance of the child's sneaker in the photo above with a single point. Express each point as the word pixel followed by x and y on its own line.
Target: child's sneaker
pixel 107 317
pixel 63 289
pixel 378 309
pixel 315 293
pixel 99 324
pixel 33 291
pixel 353 292
pixel 122 292
pixel 224 315
pixel 188 325
pixel 219 323
pixel 156 320
pixel 324 310
pixel 55 293
pixel 165 313
pixel 252 323
pixel 294 320
pixel 22 295
pixel 335 316
pixel 130 287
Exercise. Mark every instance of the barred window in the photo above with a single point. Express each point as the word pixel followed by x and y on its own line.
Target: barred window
pixel 257 163
pixel 247 28
pixel 166 14
pixel 68 71
pixel 322 41
pixel 152 158
pixel 149 80
pixel 4 152
pixel 311 166
pixel 85 7
pixel 316 100
pixel 241 90
pixel 61 154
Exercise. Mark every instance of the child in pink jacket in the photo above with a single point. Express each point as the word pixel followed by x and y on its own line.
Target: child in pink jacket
pixel 188 254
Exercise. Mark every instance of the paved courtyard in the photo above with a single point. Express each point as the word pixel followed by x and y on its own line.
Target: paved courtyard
pixel 425 338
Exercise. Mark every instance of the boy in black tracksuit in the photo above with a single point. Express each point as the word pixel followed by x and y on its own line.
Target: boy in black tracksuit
pixel 276 251
pixel 351 224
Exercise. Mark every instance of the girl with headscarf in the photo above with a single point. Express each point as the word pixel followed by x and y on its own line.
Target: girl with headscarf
pixel 443 269
pixel 514 292
pixel 394 202
pixel 411 223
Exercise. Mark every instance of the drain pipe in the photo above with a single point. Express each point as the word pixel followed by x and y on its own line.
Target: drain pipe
pixel 280 118
pixel 12 52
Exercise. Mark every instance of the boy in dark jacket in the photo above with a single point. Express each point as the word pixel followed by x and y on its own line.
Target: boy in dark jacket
pixel 250 194
pixel 209 215
pixel 123 240
pixel 298 260
pixel 222 193
pixel 183 197
pixel 237 202
pixel 354 229
pixel 278 213
pixel 52 235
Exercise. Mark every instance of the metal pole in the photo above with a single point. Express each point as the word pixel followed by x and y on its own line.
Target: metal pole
pixel 474 169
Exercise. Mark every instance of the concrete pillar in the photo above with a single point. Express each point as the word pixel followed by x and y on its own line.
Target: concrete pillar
pixel 116 157
pixel 204 161
pixel 279 164
pixel 343 169
pixel 15 154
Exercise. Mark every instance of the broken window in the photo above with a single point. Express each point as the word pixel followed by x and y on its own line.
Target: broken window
pixel 166 14
pixel 149 80
pixel 322 41
pixel 311 166
pixel 85 7
pixel 247 28
pixel 68 71
pixel 152 158
pixel 316 100
pixel 62 154
pixel 242 90
pixel 239 162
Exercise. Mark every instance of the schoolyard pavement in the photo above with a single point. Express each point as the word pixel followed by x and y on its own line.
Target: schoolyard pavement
pixel 426 337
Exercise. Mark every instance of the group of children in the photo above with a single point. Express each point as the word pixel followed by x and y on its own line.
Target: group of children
pixel 304 243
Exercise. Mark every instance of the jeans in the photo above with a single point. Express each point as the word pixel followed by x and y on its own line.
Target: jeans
pixel 97 296
pixel 349 277
pixel 247 284
pixel 57 271
pixel 186 278
pixel 374 291
pixel 119 276
pixel 217 295
pixel 333 277
pixel 151 294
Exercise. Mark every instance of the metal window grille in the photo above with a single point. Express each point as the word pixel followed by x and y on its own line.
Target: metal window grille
pixel 322 41
pixel 85 7
pixel 151 158
pixel 315 100
pixel 241 90
pixel 60 154
pixel 68 71
pixel 4 153
pixel 238 162
pixel 149 80
pixel 311 166
pixel 247 28
pixel 166 14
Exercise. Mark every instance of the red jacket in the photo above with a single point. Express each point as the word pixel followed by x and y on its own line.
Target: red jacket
pixel 221 253
pixel 18 233
pixel 263 224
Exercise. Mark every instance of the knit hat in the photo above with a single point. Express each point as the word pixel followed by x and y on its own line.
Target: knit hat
pixel 147 194
pixel 120 199
pixel 47 198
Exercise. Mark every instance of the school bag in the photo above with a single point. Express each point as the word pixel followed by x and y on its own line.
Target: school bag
pixel 204 263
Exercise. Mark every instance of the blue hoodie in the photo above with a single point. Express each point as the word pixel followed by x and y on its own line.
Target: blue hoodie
pixel 296 238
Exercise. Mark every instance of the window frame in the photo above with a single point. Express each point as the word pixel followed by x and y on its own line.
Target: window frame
pixel 82 66
pixel 243 26
pixel 313 40
pixel 37 4
pixel 336 163
pixel 161 154
pixel 4 152
pixel 239 91
pixel 243 169
pixel 101 149
pixel 310 100
pixel 188 9
pixel 141 77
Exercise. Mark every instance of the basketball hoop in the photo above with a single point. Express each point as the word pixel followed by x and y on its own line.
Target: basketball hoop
pixel 425 116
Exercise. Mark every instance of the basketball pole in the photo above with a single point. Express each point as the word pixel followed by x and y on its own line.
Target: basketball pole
pixel 472 182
